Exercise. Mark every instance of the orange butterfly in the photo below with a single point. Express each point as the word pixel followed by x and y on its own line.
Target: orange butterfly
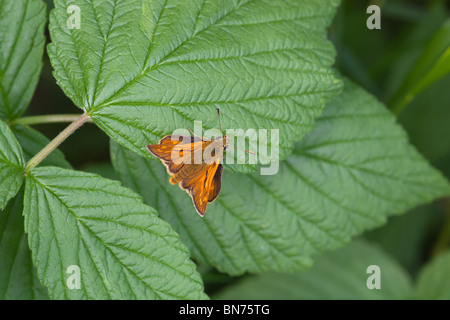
pixel 195 163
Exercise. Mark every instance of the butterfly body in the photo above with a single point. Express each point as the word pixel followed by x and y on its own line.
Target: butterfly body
pixel 195 164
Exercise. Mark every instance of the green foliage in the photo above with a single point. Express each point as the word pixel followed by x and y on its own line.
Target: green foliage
pixel 11 165
pixel 428 126
pixel 336 275
pixel 159 65
pixel 22 42
pixel 141 69
pixel 122 249
pixel 18 279
pixel 432 283
pixel 33 141
pixel 405 237
pixel 433 64
pixel 342 274
pixel 353 170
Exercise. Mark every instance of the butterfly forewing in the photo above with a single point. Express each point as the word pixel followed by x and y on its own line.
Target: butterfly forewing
pixel 176 151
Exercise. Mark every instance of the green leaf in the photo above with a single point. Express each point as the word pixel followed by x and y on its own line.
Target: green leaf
pixel 352 171
pixel 401 57
pixel 433 283
pixel 121 247
pixel 18 279
pixel 142 69
pixel 11 165
pixel 340 275
pixel 426 123
pixel 22 42
pixel 33 141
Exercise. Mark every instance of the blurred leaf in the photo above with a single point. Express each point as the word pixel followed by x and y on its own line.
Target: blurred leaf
pixel 408 46
pixel 33 141
pixel 436 48
pixel 121 247
pixel 347 176
pixel 402 10
pixel 380 60
pixel 161 64
pixel 406 237
pixel 433 64
pixel 12 164
pixel 433 282
pixel 341 274
pixel 21 47
pixel 18 279
pixel 427 121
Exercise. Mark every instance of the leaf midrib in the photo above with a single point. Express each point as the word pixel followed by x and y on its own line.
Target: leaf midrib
pixel 357 168
pixel 162 59
pixel 104 46
pixel 79 221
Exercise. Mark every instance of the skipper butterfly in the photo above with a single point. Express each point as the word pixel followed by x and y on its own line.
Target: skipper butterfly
pixel 195 164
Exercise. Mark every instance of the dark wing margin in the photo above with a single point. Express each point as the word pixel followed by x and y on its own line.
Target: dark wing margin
pixel 216 184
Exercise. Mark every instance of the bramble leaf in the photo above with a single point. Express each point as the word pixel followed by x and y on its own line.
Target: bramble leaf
pixel 351 172
pixel 142 69
pixel 122 249
pixel 18 279
pixel 338 275
pixel 22 42
pixel 12 164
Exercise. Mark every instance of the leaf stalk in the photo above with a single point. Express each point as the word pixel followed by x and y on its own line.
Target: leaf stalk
pixel 53 118
pixel 38 158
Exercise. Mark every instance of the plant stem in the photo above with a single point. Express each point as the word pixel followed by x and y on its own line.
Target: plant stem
pixel 443 239
pixel 56 142
pixel 53 118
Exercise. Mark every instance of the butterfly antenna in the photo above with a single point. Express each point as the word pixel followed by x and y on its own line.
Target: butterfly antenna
pixel 220 126
pixel 248 151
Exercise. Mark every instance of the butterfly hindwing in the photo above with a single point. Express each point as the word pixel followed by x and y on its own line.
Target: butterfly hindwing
pixel 187 172
pixel 198 185
pixel 216 184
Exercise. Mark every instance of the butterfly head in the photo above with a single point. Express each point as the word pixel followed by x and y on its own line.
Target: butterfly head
pixel 224 140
